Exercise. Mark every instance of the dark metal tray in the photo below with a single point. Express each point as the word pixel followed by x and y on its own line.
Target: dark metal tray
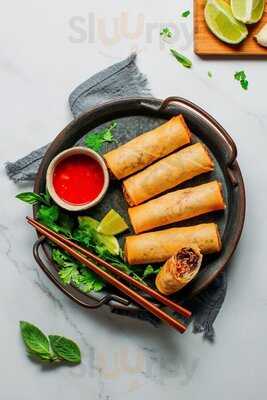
pixel 143 114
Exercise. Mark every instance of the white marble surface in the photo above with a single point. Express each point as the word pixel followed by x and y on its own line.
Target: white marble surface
pixel 39 65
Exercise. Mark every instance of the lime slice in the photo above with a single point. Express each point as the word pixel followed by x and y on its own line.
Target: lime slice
pixel 112 224
pixel 221 22
pixel 110 242
pixel 248 11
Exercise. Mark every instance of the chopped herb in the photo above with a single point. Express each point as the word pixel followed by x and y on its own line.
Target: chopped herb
pixel 166 33
pixel 52 348
pixel 244 84
pixel 95 140
pixel 209 74
pixel 186 13
pixel 181 58
pixel 242 78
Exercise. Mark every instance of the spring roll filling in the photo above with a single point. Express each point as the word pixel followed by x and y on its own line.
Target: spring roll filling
pixel 186 261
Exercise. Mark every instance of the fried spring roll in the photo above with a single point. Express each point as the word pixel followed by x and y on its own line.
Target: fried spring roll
pixel 177 206
pixel 142 151
pixel 167 173
pixel 154 247
pixel 179 270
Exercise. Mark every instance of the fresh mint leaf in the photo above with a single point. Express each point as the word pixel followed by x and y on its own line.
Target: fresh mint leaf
pixel 181 58
pixel 166 33
pixel 95 140
pixel 65 349
pixel 186 13
pixel 54 349
pixel 35 341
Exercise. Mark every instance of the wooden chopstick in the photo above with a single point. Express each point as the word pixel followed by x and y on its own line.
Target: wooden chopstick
pixel 69 246
pixel 153 293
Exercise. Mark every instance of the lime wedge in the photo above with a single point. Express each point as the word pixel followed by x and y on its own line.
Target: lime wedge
pixel 220 20
pixel 110 242
pixel 112 224
pixel 248 11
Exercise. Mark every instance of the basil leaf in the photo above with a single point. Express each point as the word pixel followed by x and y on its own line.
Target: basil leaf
pixel 65 348
pixel 181 58
pixel 35 341
pixel 29 197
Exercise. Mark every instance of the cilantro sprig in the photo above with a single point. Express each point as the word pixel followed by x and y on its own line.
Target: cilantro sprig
pixel 242 78
pixel 96 140
pixel 166 33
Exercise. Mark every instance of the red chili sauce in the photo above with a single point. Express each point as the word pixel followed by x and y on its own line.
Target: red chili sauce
pixel 78 179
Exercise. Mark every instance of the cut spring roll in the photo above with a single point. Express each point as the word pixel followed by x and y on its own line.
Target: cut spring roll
pixel 154 247
pixel 179 270
pixel 167 173
pixel 177 206
pixel 142 151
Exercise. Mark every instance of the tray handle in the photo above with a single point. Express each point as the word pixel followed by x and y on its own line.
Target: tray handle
pixel 105 299
pixel 232 153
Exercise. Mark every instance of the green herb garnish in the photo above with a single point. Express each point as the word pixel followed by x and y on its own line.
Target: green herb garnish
pixel 52 349
pixel 71 271
pixel 242 78
pixel 166 33
pixel 95 140
pixel 83 230
pixel 209 74
pixel 186 13
pixel 181 58
pixel 34 198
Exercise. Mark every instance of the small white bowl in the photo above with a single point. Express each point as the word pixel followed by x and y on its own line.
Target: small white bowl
pixel 50 172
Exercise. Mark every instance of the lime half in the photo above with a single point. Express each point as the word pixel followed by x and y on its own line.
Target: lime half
pixel 220 20
pixel 112 224
pixel 248 11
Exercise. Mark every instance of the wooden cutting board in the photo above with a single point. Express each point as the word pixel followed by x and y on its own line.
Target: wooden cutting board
pixel 206 44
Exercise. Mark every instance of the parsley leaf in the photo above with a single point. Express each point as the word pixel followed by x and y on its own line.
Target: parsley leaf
pixel 181 58
pixel 242 78
pixel 186 13
pixel 95 140
pixel 166 33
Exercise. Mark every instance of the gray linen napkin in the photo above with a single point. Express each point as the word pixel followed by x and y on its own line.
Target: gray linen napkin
pixel 124 79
